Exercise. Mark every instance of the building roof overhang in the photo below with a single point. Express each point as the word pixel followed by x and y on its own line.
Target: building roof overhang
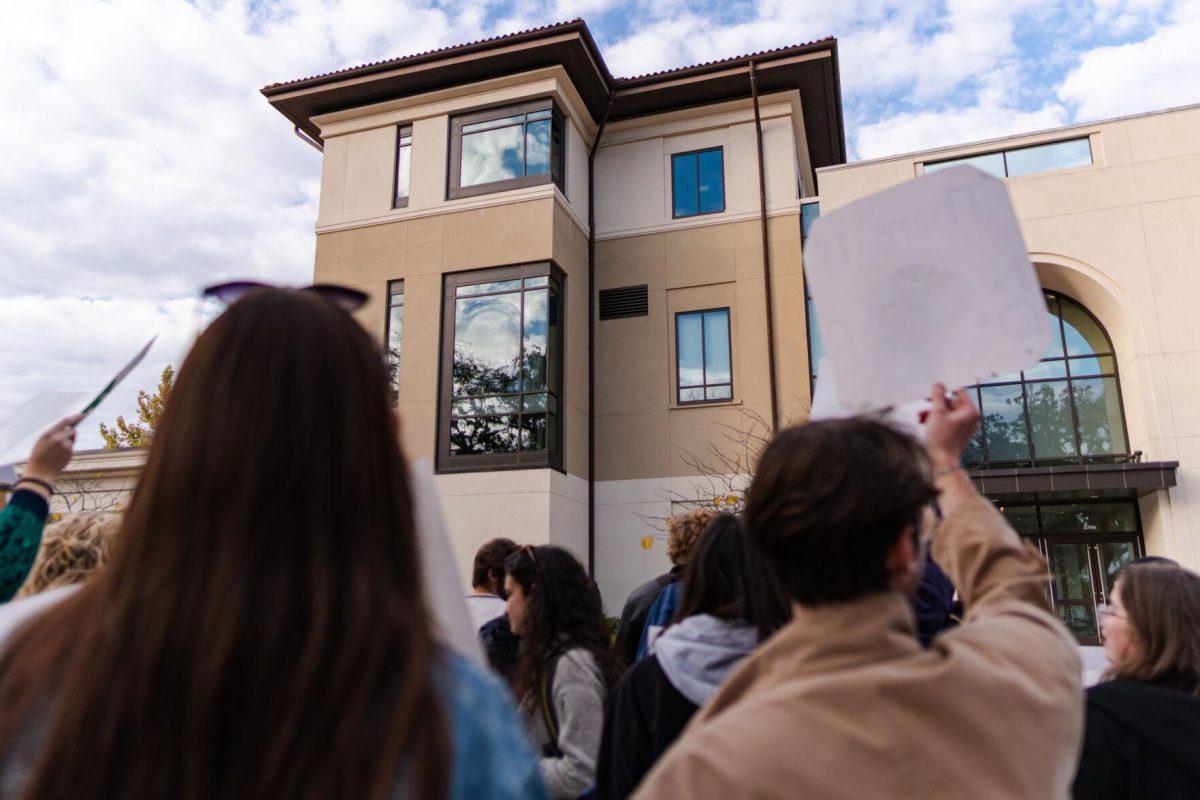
pixel 1076 480
pixel 811 68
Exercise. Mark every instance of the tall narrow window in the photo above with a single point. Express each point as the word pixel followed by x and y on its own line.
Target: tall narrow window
pixel 403 165
pixel 506 148
pixel 702 356
pixel 395 325
pixel 810 213
pixel 502 369
pixel 698 182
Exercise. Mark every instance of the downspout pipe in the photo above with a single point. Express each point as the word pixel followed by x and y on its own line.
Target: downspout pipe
pixel 591 485
pixel 304 137
pixel 762 221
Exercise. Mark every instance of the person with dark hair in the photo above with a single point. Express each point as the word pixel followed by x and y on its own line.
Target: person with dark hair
pixel 731 604
pixel 261 629
pixel 843 701
pixel 486 600
pixel 683 531
pixel 566 665
pixel 23 518
pixel 1142 737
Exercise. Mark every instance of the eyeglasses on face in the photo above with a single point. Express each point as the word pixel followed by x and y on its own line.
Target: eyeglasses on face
pixel 345 298
pixel 1108 612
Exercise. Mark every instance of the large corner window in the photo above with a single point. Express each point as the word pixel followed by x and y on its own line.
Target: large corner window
pixel 501 391
pixel 698 182
pixel 1025 160
pixel 1066 410
pixel 506 148
pixel 702 356
pixel 1086 543
pixel 403 166
pixel 393 335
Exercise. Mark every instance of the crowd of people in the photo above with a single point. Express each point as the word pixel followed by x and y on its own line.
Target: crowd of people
pixel 257 623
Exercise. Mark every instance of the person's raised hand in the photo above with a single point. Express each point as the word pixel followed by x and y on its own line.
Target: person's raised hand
pixel 951 423
pixel 52 451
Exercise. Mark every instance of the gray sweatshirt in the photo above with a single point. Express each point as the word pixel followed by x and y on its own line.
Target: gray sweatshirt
pixel 578 695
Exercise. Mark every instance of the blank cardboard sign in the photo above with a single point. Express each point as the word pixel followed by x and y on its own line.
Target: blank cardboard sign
pixel 927 281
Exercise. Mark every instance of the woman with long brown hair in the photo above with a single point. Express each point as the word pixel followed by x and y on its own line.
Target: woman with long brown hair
pixel 261 630
pixel 1143 724
pixel 565 664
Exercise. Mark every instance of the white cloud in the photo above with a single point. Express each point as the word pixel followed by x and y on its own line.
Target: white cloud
pixel 1157 72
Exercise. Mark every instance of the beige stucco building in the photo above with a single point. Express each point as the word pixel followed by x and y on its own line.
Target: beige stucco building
pixel 452 180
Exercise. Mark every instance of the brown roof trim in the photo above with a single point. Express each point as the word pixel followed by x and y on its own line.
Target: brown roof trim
pixel 529 34
pixel 726 63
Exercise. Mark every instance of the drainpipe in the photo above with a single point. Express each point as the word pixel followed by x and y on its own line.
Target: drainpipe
pixel 304 137
pixel 762 221
pixel 591 563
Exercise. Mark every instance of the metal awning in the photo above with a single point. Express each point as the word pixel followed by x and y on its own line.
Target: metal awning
pixel 1077 480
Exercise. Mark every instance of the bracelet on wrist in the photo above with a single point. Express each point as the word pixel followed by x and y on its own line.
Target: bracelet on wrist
pixel 49 487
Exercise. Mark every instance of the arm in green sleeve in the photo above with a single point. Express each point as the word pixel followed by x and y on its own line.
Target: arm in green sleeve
pixel 21 523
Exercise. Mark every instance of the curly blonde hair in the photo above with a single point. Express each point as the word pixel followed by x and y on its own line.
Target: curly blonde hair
pixel 71 550
pixel 683 531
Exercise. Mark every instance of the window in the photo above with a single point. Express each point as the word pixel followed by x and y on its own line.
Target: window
pixel 698 182
pixel 395 323
pixel 702 356
pixel 1067 409
pixel 403 165
pixel 501 393
pixel 1086 544
pixel 506 148
pixel 1025 160
pixel 809 213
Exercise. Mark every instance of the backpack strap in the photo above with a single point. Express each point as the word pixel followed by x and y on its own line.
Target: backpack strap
pixel 549 715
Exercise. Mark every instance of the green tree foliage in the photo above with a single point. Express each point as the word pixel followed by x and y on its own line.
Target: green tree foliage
pixel 150 409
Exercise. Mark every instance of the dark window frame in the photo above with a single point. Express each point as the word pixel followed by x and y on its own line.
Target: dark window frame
pixel 558 161
pixel 679 387
pixel 1091 540
pixel 809 306
pixel 399 201
pixel 445 462
pixel 395 289
pixel 1069 379
pixel 720 149
pixel 1003 153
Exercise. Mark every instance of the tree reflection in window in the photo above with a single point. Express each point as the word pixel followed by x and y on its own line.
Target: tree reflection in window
pixel 1067 409
pixel 394 336
pixel 505 375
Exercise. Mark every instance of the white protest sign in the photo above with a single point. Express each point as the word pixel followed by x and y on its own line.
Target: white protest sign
pixel 924 282
pixel 908 417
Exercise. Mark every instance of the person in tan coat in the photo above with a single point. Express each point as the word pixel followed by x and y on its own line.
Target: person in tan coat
pixel 843 702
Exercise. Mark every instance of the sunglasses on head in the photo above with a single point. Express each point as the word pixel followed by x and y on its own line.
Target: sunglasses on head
pixel 343 297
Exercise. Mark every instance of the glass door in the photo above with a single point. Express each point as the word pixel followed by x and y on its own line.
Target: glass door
pixel 1073 587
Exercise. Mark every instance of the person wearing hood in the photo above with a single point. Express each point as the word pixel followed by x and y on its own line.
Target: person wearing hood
pixel 731 603
pixel 1142 734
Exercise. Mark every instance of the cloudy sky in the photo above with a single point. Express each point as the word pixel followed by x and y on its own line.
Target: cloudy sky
pixel 141 162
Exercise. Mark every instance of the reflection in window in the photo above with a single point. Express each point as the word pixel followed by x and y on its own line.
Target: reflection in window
pixel 809 213
pixel 506 149
pixel 1025 160
pixel 698 182
pixel 1066 409
pixel 395 325
pixel 505 372
pixel 702 356
pixel 1085 544
pixel 403 165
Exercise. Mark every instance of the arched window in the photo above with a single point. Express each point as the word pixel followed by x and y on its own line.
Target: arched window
pixel 1065 410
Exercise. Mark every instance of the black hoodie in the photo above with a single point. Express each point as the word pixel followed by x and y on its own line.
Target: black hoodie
pixel 1141 741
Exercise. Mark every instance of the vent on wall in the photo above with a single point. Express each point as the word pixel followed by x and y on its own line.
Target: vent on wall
pixel 627 301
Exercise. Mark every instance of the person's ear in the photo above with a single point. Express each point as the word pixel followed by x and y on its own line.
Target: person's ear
pixel 902 559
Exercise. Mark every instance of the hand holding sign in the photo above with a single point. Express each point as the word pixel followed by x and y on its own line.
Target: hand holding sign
pixel 926 282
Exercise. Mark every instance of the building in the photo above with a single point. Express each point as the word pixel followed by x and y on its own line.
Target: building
pixel 568 271
pixel 1095 455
